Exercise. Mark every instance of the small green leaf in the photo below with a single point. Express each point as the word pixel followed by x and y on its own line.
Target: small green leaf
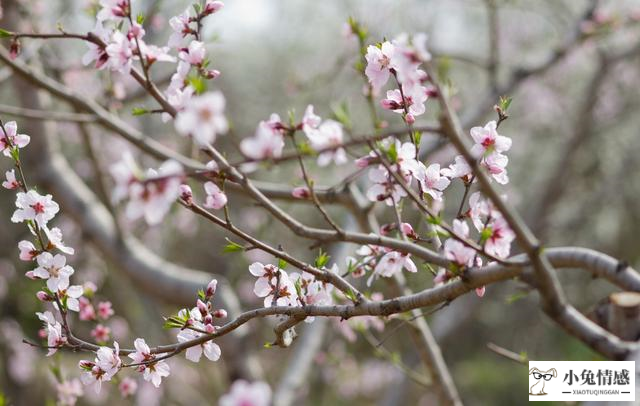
pixel 341 113
pixel 305 149
pixel 139 111
pixel 437 220
pixel 486 233
pixel 322 259
pixel 201 294
pixel 392 153
pixel 5 33
pixel 197 83
pixel 515 297
pixel 352 296
pixel 505 102
pixel 268 345
pixel 232 247
pixel 140 19
pixel 282 263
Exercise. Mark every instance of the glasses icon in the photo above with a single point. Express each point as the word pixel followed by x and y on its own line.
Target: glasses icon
pixel 546 377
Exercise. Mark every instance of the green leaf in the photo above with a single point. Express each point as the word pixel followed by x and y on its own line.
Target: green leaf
pixel 139 111
pixel 351 266
pixel 341 114
pixel 197 83
pixel 392 153
pixel 417 136
pixel 437 220
pixel 351 295
pixel 322 259
pixel 232 247
pixel 5 33
pixel 282 263
pixel 268 345
pixel 515 297
pixel 140 19
pixel 486 233
pixel 201 294
pixel 505 102
pixel 305 149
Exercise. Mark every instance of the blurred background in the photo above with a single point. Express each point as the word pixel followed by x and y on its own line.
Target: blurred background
pixel 573 70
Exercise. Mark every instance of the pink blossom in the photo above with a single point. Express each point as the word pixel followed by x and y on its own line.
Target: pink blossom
pixel 459 169
pixel 96 52
pixel 152 196
pixel 113 9
pixel 432 181
pixel 12 138
pixel 378 64
pixel 496 164
pixel 194 54
pixel 101 333
pixel 393 262
pixel 455 250
pixel 203 118
pixel 11 182
pixel 384 188
pixel 71 293
pixel 210 349
pixel 105 366
pixel 152 371
pixel 34 206
pixel 128 387
pixel 120 51
pixel 53 269
pixel 310 121
pixel 180 26
pixel 328 135
pixel 414 99
pixel 268 283
pixel 53 329
pixel 154 54
pixel 243 393
pixel 87 311
pixel 499 243
pixel 69 392
pixel 105 310
pixel 216 199
pixel 28 251
pixel 488 140
pixel 54 236
pixel 267 142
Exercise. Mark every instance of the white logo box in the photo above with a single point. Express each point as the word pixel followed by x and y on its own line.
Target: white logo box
pixel 582 381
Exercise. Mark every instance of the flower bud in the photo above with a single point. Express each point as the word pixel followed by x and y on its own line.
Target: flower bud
pixel 186 194
pixel 208 319
pixel 202 307
pixel 44 296
pixel 212 7
pixel 410 119
pixel 210 328
pixel 211 288
pixel 301 192
pixel 220 314
pixel 14 49
pixel 31 275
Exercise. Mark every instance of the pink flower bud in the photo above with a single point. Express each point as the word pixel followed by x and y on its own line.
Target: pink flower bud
pixel 432 91
pixel 31 275
pixel 220 314
pixel 410 119
pixel 202 307
pixel 208 319
pixel 363 162
pixel 85 364
pixel 480 291
pixel 211 288
pixel 211 73
pixel 186 194
pixel 301 192
pixel 43 296
pixel 14 49
pixel 210 328
pixel 212 7
pixel 389 104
